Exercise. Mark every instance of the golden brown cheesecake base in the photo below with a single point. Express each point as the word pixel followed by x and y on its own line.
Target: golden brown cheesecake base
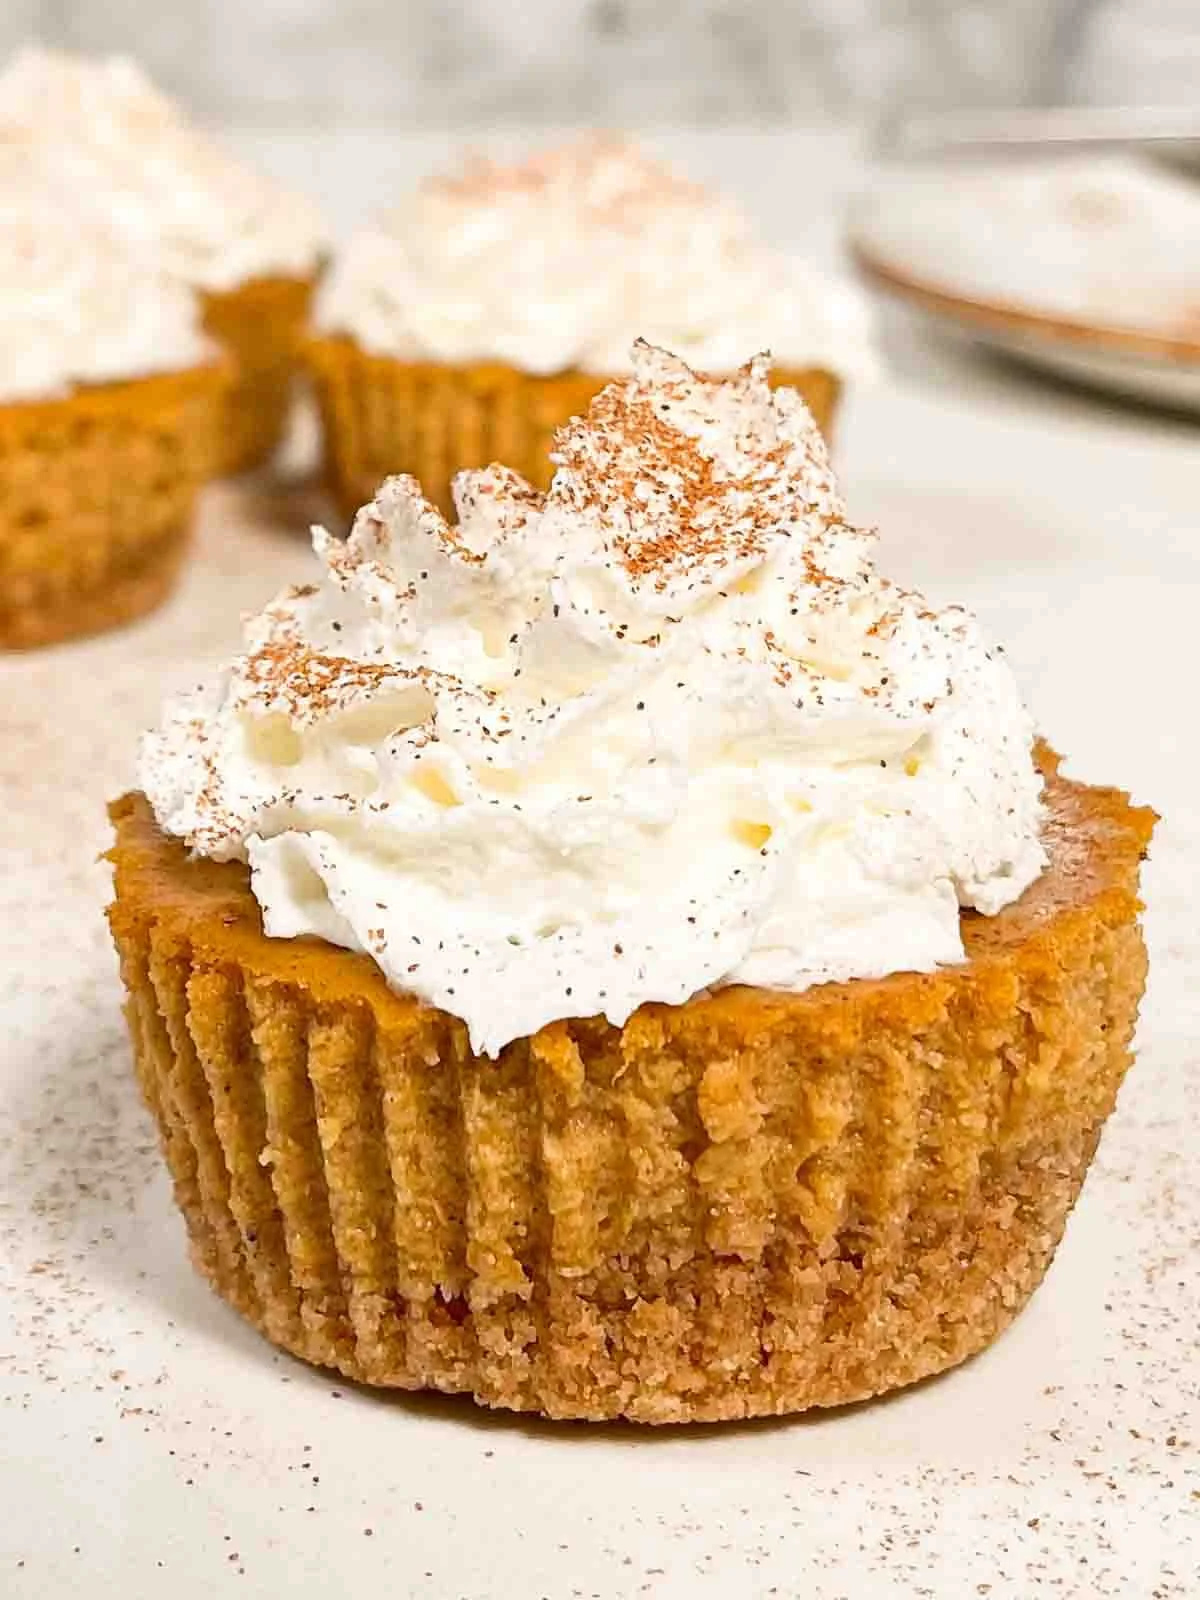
pixel 96 495
pixel 747 1205
pixel 431 419
pixel 262 324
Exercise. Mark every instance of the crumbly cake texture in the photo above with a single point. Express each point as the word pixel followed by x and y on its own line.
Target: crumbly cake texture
pixel 262 324
pixel 96 497
pixel 381 415
pixel 747 1205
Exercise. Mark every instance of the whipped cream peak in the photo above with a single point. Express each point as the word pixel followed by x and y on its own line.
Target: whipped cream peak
pixel 559 261
pixel 41 86
pixel 74 307
pixel 114 151
pixel 690 477
pixel 600 177
pixel 663 728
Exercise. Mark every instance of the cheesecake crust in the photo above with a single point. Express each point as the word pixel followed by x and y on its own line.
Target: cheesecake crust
pixel 747 1205
pixel 432 419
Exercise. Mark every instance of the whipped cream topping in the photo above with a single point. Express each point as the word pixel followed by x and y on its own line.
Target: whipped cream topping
pixel 74 308
pixel 115 150
pixel 562 261
pixel 662 729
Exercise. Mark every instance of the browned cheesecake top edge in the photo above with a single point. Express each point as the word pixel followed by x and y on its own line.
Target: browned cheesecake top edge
pixel 1095 840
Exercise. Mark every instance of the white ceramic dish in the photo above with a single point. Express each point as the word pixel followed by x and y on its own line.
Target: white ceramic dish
pixel 1087 267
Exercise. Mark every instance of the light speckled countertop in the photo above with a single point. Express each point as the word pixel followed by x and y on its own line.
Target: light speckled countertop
pixel 150 1439
pixel 151 1443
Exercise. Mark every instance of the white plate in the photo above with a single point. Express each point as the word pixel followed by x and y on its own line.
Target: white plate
pixel 1087 267
pixel 152 1445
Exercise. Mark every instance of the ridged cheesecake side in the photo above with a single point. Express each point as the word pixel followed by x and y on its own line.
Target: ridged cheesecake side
pixel 747 1205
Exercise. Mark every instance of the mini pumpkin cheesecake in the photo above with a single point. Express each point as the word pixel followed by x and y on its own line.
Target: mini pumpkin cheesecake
pixel 113 148
pixel 616 955
pixel 496 302
pixel 109 402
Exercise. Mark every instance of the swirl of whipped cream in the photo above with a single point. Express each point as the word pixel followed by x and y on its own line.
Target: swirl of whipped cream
pixel 663 729
pixel 563 261
pixel 74 308
pixel 115 150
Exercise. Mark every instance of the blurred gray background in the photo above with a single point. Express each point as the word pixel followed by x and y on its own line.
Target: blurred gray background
pixel 310 64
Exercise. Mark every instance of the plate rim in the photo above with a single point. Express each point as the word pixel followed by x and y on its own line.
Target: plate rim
pixel 1005 316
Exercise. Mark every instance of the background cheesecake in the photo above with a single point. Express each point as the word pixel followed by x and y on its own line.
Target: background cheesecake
pixel 110 397
pixel 495 302
pixel 112 148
